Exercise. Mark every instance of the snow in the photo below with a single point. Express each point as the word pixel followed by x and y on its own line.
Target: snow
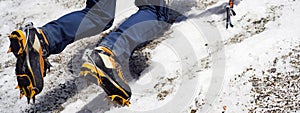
pixel 199 66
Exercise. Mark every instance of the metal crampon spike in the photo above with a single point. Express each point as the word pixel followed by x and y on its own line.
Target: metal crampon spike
pixel 28 100
pixel 33 99
pixel 21 95
pixel 122 101
pixel 9 50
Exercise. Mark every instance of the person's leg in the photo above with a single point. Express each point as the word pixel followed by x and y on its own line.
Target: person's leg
pixel 108 67
pixel 96 17
pixel 142 26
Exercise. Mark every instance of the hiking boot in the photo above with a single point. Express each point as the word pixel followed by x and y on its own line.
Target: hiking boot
pixel 30 47
pixel 105 71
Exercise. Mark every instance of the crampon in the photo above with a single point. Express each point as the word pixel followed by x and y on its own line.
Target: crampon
pixel 104 71
pixel 30 47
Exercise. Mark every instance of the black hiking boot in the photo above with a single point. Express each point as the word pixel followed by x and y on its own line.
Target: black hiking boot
pixel 105 71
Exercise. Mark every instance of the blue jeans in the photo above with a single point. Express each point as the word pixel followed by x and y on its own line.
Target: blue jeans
pixel 144 25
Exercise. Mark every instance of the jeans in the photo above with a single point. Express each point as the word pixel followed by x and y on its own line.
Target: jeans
pixel 144 25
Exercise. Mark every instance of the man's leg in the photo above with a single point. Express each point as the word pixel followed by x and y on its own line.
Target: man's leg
pixel 96 17
pixel 107 67
pixel 142 26
pixel 32 46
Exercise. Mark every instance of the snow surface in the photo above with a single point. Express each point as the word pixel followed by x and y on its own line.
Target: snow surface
pixel 199 66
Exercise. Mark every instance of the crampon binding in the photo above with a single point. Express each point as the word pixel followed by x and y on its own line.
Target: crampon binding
pixel 103 70
pixel 30 47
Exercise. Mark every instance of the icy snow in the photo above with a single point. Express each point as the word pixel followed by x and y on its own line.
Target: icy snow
pixel 182 76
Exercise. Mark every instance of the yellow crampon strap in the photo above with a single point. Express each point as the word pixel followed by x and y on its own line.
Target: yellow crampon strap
pixel 119 100
pixel 20 37
pixel 93 71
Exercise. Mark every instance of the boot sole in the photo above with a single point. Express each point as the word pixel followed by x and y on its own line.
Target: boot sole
pixel 99 77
